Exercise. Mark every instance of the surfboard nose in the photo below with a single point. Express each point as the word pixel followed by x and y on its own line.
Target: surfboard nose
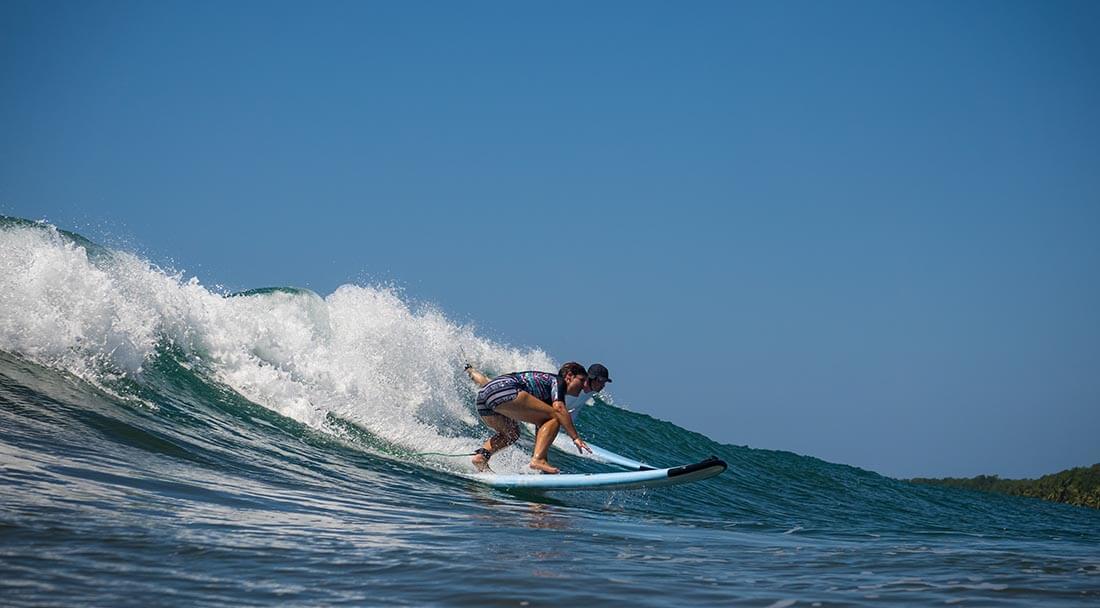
pixel 713 461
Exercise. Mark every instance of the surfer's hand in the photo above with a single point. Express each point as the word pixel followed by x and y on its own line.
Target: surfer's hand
pixel 581 445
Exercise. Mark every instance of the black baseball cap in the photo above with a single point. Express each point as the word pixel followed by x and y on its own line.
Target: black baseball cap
pixel 597 371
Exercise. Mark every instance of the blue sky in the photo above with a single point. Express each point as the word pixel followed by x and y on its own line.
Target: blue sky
pixel 864 231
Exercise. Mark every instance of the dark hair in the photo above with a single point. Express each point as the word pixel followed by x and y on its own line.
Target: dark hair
pixel 572 368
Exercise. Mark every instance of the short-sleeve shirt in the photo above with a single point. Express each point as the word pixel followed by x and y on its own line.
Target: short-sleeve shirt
pixel 544 386
pixel 576 404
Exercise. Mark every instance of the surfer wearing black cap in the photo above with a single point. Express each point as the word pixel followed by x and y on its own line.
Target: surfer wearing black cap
pixel 598 377
pixel 534 397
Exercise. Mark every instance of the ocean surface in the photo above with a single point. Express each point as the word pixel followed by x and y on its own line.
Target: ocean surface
pixel 164 444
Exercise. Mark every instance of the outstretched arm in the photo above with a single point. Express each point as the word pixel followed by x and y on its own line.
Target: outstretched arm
pixel 566 420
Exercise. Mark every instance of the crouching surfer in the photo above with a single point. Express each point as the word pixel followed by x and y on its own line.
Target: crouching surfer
pixel 534 397
pixel 595 382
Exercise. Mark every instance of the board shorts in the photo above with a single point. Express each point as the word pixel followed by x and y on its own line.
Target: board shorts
pixel 497 391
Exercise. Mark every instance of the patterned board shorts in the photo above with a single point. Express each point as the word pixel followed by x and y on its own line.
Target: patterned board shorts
pixel 497 391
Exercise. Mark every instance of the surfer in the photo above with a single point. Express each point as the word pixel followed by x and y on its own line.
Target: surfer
pixel 597 379
pixel 534 397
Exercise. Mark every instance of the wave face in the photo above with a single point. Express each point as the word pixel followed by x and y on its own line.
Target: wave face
pixel 163 443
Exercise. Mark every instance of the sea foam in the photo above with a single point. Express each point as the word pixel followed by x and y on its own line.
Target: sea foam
pixel 363 353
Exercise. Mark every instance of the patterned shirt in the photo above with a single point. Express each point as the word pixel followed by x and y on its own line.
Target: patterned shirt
pixel 544 386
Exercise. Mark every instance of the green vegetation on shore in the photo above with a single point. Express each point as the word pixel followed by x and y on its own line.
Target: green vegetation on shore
pixel 1079 486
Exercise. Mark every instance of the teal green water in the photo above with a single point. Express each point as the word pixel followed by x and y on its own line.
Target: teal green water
pixel 163 471
pixel 214 500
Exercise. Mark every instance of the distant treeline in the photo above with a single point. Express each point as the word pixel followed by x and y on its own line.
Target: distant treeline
pixel 1080 486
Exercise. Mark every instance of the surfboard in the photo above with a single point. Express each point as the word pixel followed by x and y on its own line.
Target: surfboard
pixel 608 457
pixel 626 480
pixel 564 444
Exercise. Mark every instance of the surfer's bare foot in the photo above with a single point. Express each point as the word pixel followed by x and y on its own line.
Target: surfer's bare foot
pixel 481 461
pixel 544 466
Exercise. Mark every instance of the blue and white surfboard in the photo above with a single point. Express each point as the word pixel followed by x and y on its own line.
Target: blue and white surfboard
pixel 608 457
pixel 564 444
pixel 626 480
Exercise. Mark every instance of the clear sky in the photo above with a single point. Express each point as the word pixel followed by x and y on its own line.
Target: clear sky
pixel 863 231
